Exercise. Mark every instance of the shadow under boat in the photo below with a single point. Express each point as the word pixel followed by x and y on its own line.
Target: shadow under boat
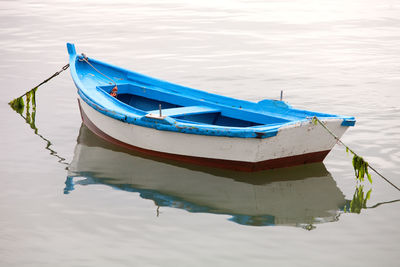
pixel 298 196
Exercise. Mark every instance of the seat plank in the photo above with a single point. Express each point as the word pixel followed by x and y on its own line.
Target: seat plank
pixel 181 111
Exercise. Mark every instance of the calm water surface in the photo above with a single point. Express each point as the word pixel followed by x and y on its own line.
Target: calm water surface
pixel 104 206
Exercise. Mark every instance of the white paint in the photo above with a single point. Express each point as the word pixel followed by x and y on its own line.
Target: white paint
pixel 291 140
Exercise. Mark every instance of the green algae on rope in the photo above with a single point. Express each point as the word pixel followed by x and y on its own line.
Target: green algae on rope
pixel 27 103
pixel 18 102
pixel 359 164
pixel 361 168
pixel 25 106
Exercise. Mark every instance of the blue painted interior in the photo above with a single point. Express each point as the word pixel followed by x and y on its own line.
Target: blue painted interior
pixel 196 114
pixel 144 103
pixel 187 110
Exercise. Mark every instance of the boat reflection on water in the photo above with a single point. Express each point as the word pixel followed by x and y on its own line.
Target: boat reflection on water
pixel 298 196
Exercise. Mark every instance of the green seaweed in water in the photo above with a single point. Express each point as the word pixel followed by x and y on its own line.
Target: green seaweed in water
pixel 33 95
pixel 361 168
pixel 18 105
pixel 359 200
pixel 27 103
pixel 28 113
pixel 25 106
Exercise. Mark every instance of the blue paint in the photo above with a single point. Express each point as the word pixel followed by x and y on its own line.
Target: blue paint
pixel 348 122
pixel 187 110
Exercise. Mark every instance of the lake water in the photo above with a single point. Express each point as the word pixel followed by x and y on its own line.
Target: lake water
pixel 79 201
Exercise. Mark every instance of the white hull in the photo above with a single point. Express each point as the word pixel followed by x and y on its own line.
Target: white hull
pixel 291 141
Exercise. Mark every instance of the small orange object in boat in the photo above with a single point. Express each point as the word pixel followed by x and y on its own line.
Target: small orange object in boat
pixel 114 91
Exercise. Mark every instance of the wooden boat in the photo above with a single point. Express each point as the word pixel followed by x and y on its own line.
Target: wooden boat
pixel 172 121
pixel 296 196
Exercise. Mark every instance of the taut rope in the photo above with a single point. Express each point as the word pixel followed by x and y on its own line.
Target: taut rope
pixel 315 119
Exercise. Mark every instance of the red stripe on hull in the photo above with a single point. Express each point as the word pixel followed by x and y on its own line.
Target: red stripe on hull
pixel 217 163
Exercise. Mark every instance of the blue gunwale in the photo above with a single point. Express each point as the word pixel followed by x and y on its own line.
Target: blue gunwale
pixel 266 117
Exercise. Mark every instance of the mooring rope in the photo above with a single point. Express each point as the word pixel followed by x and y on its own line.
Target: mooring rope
pixel 45 81
pixel 352 151
pixel 19 105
